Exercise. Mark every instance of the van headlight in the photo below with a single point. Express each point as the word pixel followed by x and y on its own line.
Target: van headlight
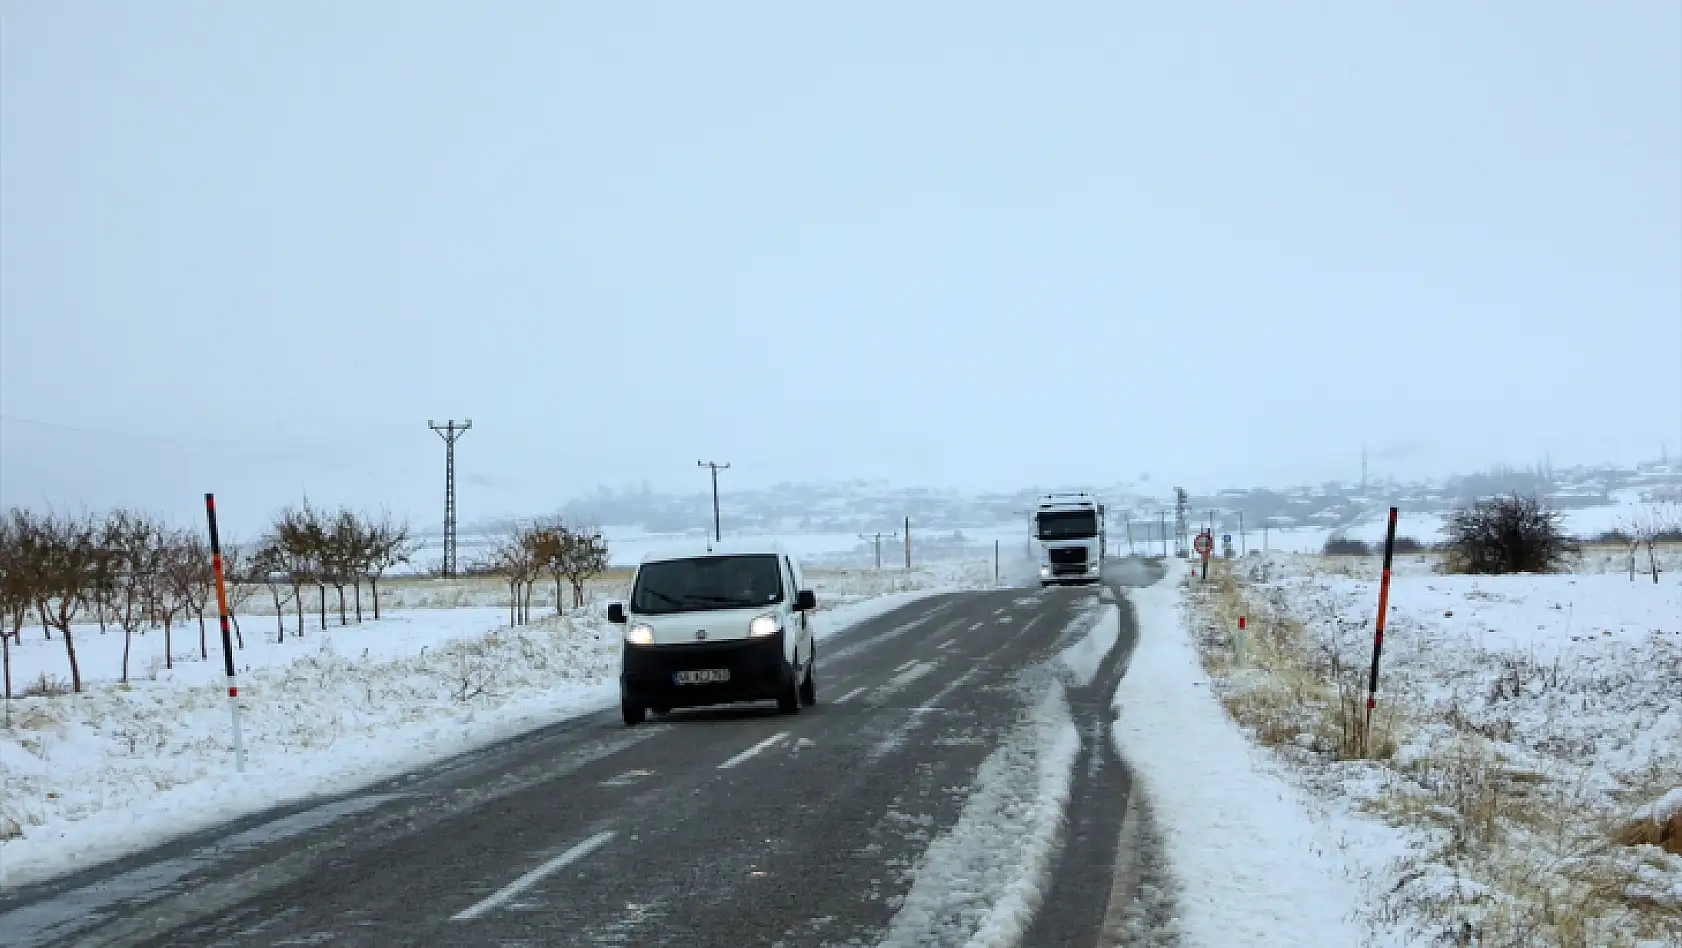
pixel 762 626
pixel 1045 571
pixel 640 634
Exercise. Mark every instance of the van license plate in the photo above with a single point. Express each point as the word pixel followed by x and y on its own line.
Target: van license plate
pixel 705 676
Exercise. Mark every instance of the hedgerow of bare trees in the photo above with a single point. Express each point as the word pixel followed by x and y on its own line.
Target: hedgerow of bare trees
pixel 569 554
pixel 136 572
pixel 307 547
pixel 1512 534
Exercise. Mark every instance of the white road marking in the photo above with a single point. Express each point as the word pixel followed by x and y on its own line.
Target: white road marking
pixel 947 644
pixel 531 878
pixel 976 626
pixel 754 751
pixel 906 665
pixel 851 694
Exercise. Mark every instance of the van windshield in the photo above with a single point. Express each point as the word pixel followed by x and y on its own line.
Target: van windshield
pixel 707 582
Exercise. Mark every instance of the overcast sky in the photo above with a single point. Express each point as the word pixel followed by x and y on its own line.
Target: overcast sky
pixel 253 248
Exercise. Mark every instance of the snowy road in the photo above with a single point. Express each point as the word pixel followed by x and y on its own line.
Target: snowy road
pixel 923 801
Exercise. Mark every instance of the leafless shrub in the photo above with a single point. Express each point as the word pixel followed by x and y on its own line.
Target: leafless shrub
pixel 1513 534
pixel 1340 545
pixel 48 686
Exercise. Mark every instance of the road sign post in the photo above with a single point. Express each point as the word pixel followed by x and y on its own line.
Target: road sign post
pixel 227 643
pixel 1378 628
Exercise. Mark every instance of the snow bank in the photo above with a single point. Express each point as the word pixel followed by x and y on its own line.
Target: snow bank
pixel 1252 864
pixel 114 770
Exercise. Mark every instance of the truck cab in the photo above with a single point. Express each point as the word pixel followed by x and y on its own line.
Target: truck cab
pixel 1068 539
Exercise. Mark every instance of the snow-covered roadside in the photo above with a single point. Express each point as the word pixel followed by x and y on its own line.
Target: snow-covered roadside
pixel 1529 729
pixel 92 777
pixel 95 776
pixel 1254 861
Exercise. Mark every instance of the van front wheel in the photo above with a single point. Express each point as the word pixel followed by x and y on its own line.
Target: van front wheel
pixel 634 714
pixel 789 701
pixel 809 687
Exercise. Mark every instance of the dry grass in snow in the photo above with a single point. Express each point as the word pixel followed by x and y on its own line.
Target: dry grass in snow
pixel 1528 739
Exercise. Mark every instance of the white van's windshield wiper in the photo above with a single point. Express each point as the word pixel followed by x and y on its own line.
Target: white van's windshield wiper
pixel 721 600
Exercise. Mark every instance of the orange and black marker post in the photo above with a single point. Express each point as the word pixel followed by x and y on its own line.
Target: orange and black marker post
pixel 227 638
pixel 1378 630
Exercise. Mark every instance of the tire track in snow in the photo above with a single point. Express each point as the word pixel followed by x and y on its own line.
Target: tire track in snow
pixel 980 883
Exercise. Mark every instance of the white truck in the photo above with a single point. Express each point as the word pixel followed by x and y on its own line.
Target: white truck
pixel 1068 538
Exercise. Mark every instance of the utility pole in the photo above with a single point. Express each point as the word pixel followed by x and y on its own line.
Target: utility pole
pixel 907 542
pixel 1162 530
pixel 1130 550
pixel 877 538
pixel 450 432
pixel 1180 525
pixel 1243 538
pixel 718 532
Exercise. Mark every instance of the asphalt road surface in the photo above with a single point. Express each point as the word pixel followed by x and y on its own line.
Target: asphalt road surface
pixel 729 826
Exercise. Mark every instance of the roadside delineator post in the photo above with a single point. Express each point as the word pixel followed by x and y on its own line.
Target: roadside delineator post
pixel 1378 628
pixel 1239 642
pixel 227 638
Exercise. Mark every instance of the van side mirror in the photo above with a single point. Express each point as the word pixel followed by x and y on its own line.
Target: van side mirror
pixel 616 613
pixel 805 601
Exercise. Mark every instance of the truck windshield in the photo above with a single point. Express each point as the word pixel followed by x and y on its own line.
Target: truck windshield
pixel 708 582
pixel 1069 525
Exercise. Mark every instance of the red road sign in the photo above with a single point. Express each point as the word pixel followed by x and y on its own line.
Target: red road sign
pixel 1203 544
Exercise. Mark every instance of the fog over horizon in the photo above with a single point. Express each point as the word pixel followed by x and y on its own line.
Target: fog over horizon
pixel 254 250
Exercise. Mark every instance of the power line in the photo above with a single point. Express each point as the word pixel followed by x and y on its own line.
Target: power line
pixel 450 432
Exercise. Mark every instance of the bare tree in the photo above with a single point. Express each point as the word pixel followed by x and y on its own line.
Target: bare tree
pixel 548 544
pixel 268 566
pixel 296 539
pixel 390 546
pixel 239 585
pixel 194 580
pixel 17 583
pixel 70 551
pixel 164 596
pixel 340 549
pixel 134 545
pixel 515 560
pixel 583 557
pixel 20 569
pixel 1646 527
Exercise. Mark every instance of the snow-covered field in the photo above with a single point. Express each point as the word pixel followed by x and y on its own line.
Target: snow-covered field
pixel 1526 754
pixel 94 776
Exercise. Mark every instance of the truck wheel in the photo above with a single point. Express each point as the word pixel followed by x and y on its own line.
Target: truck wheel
pixel 634 714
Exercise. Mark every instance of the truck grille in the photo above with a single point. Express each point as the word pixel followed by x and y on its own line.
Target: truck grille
pixel 1067 555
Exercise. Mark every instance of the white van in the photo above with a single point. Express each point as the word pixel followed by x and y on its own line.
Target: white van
pixel 715 627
